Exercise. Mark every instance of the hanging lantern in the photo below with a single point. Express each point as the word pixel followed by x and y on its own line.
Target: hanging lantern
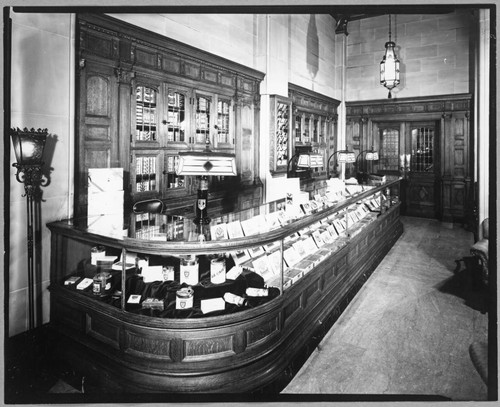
pixel 389 66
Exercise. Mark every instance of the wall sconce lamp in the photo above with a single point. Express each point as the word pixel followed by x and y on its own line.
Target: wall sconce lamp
pixel 205 163
pixel 389 66
pixel 306 160
pixel 28 147
pixel 345 156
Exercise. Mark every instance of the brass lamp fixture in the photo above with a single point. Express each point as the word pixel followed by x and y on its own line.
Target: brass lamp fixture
pixel 28 148
pixel 369 155
pixel 389 66
pixel 306 159
pixel 203 164
pixel 345 156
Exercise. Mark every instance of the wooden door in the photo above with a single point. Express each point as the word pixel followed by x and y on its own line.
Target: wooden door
pixel 97 113
pixel 411 150
pixel 422 146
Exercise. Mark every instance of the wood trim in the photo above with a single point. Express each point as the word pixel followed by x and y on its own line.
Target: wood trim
pixel 416 105
pixel 129 38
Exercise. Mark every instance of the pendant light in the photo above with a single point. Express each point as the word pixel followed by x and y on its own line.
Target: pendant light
pixel 389 66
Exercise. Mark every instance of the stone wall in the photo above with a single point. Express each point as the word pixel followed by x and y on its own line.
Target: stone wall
pixel 433 50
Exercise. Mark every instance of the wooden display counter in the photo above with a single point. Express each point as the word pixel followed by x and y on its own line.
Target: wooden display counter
pixel 236 352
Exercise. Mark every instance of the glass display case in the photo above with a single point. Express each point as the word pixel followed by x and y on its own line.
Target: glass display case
pixel 156 292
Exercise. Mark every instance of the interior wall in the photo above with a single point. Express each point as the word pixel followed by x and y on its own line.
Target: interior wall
pixel 433 51
pixel 42 96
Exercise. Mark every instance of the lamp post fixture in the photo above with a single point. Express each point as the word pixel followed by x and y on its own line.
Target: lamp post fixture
pixel 370 155
pixel 28 147
pixel 205 163
pixel 306 159
pixel 389 66
pixel 345 156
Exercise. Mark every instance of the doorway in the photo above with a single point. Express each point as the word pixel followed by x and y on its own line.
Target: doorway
pixel 411 149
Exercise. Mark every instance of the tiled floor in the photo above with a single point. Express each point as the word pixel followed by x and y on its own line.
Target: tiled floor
pixel 409 329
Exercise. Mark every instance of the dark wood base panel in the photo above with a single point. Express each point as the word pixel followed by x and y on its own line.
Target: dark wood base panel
pixel 235 353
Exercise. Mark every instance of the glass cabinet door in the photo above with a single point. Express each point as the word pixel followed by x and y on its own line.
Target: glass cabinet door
pixel 176 116
pixel 146 114
pixel 146 174
pixel 173 181
pixel 224 135
pixel 202 125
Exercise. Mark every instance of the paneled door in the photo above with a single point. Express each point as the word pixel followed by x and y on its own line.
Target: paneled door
pixel 411 150
pixel 423 192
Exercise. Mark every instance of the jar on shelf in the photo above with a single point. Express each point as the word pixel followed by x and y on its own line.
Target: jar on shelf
pixel 102 281
pixel 189 270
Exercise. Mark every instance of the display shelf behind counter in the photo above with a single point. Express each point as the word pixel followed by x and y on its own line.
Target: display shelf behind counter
pixel 165 297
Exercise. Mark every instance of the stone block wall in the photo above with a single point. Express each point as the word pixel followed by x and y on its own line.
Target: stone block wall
pixel 433 50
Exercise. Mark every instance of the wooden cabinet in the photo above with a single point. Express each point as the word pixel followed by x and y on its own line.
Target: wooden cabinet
pixel 314 124
pixel 427 141
pixel 143 98
pixel 127 347
pixel 305 121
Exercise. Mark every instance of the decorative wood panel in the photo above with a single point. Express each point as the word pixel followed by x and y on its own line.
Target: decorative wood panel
pixel 260 333
pixel 310 291
pixel 204 349
pixel 147 347
pixel 103 330
pixel 291 308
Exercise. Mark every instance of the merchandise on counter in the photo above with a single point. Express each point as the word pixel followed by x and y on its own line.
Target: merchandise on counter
pixel 84 284
pixel 189 270
pixel 235 299
pixel 184 298
pixel 257 292
pixel 218 270
pixel 71 280
pixel 212 304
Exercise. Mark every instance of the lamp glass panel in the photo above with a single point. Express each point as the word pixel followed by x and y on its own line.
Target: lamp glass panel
pixel 350 157
pixel 28 147
pixel 205 164
pixel 304 161
pixel 342 157
pixel 316 161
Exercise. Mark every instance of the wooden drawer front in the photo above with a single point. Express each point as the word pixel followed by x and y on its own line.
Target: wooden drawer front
pixel 147 347
pixel 258 334
pixel 209 348
pixel 103 330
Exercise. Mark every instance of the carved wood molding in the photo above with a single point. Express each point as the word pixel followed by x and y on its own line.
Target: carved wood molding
pixel 443 104
pixel 106 37
pixel 307 100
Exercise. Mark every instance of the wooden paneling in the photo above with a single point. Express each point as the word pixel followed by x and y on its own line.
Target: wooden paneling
pixel 450 188
pixel 115 57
